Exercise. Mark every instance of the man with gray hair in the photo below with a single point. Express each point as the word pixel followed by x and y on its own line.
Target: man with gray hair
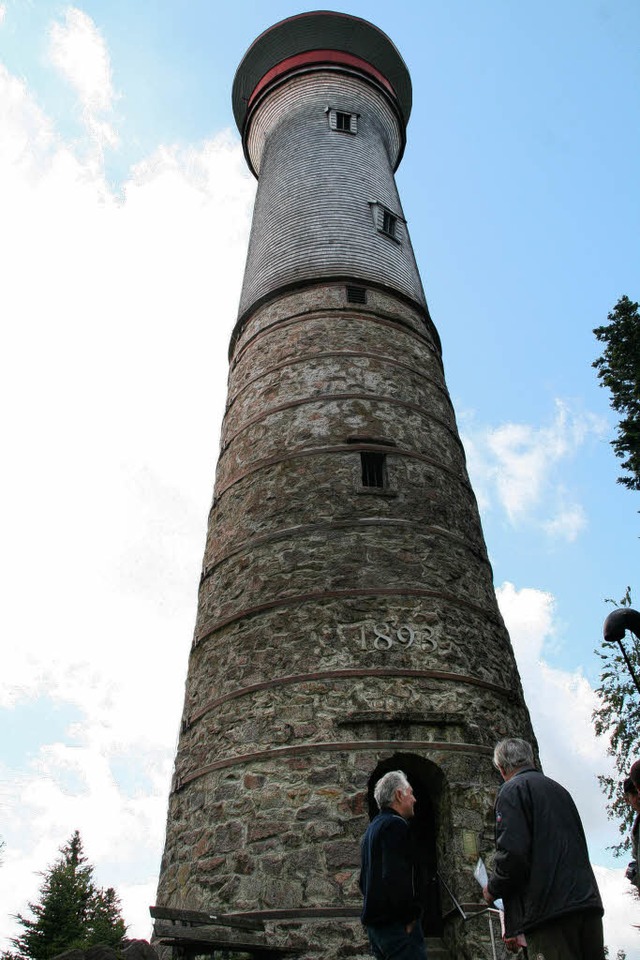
pixel 541 868
pixel 391 911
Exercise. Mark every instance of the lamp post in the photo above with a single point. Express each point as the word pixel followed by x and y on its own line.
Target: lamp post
pixel 614 630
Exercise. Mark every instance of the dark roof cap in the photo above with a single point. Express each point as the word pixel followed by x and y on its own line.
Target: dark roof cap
pixel 320 30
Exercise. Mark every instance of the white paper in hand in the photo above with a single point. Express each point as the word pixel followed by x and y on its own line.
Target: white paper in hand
pixel 480 873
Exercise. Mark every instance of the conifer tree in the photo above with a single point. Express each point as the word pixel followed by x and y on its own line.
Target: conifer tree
pixel 71 913
pixel 619 370
pixel 104 920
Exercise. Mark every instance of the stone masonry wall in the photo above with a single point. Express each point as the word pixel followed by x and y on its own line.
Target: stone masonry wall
pixel 339 625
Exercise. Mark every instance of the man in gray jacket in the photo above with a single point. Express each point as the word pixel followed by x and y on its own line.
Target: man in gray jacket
pixel 541 868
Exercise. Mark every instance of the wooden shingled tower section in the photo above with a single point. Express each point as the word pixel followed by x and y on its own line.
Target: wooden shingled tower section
pixel 347 621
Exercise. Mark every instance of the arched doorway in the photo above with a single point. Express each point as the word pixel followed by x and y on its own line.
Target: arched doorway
pixel 426 827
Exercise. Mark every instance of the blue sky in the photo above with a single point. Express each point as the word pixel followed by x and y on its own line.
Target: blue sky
pixel 118 163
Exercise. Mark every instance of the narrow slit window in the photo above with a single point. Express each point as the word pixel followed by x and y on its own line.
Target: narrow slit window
pixel 343 121
pixel 374 469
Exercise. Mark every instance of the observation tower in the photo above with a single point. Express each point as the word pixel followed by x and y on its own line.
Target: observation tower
pixel 347 623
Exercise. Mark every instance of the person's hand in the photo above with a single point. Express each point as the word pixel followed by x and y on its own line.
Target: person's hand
pixel 487 896
pixel 511 943
pixel 409 927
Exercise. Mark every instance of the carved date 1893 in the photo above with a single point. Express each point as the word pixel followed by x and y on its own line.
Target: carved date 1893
pixel 386 635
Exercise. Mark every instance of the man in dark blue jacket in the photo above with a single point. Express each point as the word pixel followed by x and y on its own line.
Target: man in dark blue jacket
pixel 391 910
pixel 541 868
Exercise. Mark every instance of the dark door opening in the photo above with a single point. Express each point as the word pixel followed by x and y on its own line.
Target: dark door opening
pixel 426 780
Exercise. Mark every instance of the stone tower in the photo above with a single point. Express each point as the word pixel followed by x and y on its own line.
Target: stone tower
pixel 347 622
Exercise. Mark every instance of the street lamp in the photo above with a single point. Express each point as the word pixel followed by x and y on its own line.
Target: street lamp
pixel 614 629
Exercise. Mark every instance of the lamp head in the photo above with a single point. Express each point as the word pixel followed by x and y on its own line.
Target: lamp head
pixel 618 621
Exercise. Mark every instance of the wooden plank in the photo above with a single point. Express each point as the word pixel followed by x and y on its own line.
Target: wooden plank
pixel 198 917
pixel 207 939
pixel 201 949
pixel 304 913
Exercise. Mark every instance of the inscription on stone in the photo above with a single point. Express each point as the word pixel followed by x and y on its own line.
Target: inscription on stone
pixel 387 635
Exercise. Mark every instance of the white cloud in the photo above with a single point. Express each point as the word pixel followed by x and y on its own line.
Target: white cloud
pixel 138 898
pixel 528 614
pixel 560 702
pixel 622 913
pixel 78 50
pixel 114 368
pixel 517 465
pixel 3 12
pixel 26 140
pixel 566 524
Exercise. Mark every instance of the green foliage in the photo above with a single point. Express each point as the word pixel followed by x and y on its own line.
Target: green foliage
pixel 619 370
pixel 71 913
pixel 618 717
pixel 104 920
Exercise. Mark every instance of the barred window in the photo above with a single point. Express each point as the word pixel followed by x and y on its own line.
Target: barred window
pixel 374 469
pixel 373 463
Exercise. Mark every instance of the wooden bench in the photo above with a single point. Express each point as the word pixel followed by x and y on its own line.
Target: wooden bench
pixel 193 932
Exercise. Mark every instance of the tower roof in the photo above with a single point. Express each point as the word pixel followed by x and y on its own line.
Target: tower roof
pixel 324 32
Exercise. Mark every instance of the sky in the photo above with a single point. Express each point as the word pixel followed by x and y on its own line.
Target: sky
pixel 125 206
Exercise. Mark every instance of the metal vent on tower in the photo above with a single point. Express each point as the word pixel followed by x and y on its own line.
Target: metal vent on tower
pixel 356 294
